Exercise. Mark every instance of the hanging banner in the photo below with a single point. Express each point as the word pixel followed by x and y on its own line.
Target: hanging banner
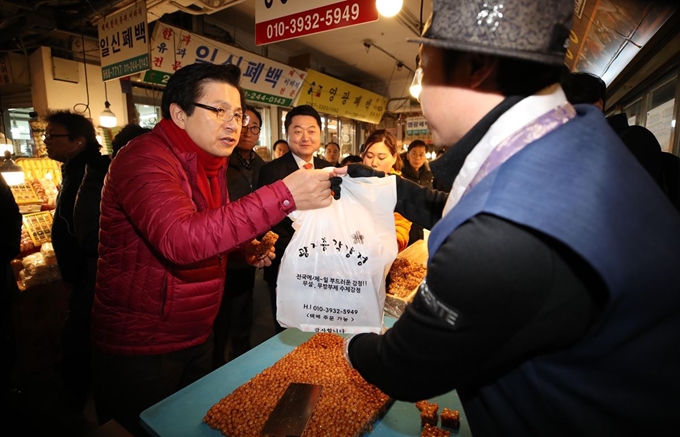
pixel 417 126
pixel 332 96
pixel 417 129
pixel 262 79
pixel 124 42
pixel 279 20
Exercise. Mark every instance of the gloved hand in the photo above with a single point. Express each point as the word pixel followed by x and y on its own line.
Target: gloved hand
pixel 363 171
pixel 354 171
pixel 335 186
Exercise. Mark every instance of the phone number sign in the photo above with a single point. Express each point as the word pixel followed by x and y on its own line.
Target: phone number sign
pixel 279 20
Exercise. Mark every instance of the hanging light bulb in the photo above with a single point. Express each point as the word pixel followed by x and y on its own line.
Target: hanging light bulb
pixel 107 118
pixel 416 86
pixel 389 8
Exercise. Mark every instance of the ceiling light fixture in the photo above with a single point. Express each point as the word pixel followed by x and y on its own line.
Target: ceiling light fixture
pixel 107 118
pixel 389 8
pixel 416 85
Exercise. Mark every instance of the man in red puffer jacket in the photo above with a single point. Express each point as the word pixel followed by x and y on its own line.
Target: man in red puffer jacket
pixel 166 227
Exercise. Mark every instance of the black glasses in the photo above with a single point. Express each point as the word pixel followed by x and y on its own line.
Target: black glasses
pixel 50 137
pixel 226 114
pixel 255 130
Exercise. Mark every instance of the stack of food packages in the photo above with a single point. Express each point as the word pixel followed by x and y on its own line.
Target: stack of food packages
pixel 37 198
pixel 37 268
pixel 46 191
pixel 43 174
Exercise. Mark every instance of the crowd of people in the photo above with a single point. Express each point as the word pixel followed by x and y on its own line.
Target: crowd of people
pixel 551 298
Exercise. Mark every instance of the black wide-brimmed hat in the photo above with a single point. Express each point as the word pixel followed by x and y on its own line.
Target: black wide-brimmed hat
pixel 535 30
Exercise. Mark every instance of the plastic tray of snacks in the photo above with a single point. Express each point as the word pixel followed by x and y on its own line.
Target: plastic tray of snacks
pixel 407 272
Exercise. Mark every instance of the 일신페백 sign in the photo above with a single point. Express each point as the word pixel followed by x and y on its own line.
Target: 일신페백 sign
pixel 262 79
pixel 124 42
pixel 279 20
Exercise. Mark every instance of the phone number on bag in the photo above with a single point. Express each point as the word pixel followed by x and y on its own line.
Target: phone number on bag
pixel 334 310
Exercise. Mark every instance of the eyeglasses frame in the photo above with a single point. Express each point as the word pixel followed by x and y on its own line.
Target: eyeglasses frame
pixel 250 128
pixel 50 137
pixel 245 118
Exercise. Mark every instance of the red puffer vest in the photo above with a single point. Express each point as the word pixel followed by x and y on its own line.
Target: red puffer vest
pixel 162 260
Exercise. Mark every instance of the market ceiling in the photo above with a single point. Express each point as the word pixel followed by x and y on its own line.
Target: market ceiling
pixel 611 33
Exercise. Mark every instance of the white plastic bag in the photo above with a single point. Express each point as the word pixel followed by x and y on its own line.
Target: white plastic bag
pixel 332 274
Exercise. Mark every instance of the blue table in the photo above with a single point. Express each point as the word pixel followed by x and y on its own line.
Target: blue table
pixel 182 413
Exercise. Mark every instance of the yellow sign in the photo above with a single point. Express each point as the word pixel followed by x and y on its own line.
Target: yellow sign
pixel 335 97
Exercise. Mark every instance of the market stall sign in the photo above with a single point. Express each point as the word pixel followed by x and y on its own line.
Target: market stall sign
pixel 335 97
pixel 262 79
pixel 279 20
pixel 124 42
pixel 417 126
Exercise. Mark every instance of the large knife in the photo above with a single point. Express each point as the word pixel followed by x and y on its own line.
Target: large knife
pixel 292 412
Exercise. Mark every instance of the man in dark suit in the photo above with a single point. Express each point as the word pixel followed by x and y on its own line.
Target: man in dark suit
pixel 303 129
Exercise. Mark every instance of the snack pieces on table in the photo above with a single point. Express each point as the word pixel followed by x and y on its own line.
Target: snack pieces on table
pixel 428 418
pixel 348 405
pixel 433 431
pixel 405 276
pixel 450 418
pixel 266 244
pixel 428 413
